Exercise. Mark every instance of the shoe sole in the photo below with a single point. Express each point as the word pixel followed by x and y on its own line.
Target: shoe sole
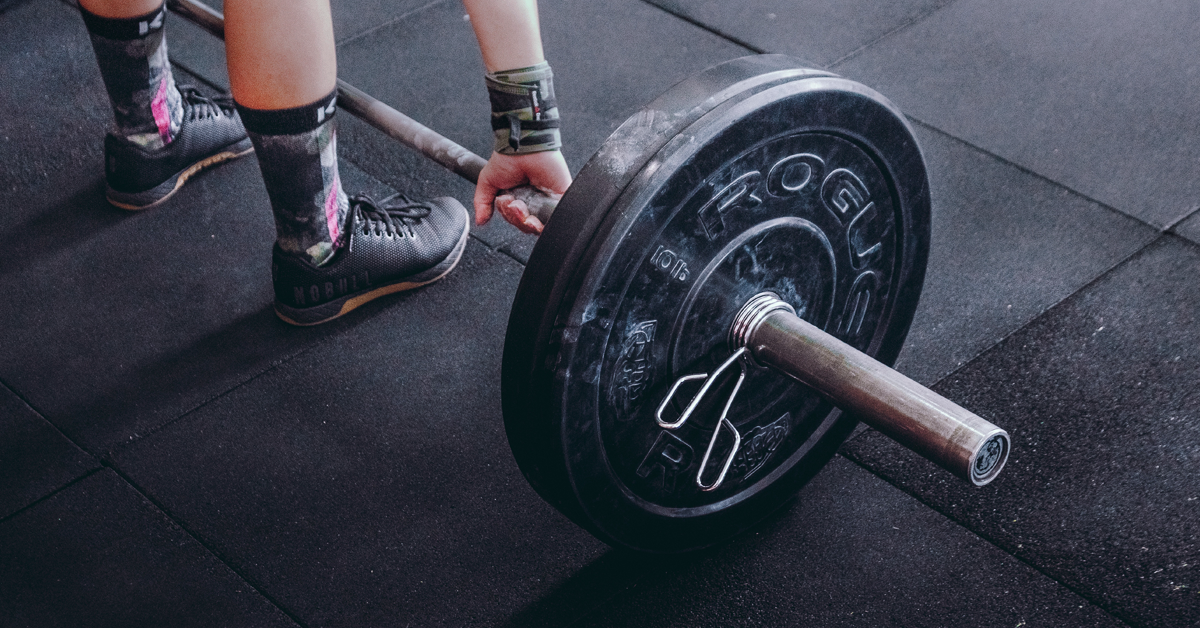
pixel 340 307
pixel 137 201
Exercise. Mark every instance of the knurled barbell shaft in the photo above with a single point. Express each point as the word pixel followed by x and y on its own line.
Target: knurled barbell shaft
pixel 916 417
pixel 438 148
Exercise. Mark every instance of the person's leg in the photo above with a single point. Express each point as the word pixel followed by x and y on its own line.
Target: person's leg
pixel 163 133
pixel 283 72
pixel 332 253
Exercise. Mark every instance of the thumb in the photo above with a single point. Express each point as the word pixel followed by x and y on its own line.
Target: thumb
pixel 485 194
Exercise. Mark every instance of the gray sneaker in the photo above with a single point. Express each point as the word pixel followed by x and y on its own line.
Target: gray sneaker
pixel 210 134
pixel 392 245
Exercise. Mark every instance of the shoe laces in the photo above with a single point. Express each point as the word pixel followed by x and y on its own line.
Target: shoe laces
pixel 197 106
pixel 394 216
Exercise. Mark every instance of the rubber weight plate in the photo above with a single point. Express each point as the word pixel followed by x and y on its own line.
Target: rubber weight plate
pixel 756 175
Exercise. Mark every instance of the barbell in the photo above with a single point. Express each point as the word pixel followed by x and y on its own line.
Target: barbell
pixel 715 303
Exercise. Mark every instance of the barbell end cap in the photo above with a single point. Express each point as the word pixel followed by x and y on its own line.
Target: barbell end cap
pixel 987 461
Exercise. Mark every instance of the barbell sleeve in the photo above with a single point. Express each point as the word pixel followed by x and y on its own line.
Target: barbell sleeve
pixel 433 145
pixel 916 417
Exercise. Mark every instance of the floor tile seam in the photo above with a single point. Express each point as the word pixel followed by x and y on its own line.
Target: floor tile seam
pixel 98 468
pixel 1033 173
pixel 707 28
pixel 1184 240
pixel 400 18
pixel 902 27
pixel 108 456
pixel 95 461
pixel 219 556
pixel 511 255
pixel 1087 597
pixel 42 415
pixel 1170 228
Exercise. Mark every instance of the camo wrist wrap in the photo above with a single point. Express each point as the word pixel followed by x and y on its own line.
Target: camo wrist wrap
pixel 524 110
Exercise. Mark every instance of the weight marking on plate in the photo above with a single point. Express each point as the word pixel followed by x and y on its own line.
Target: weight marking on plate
pixel 858 236
pixel 668 261
pixel 843 191
pixel 634 369
pixel 671 455
pixel 778 175
pixel 739 193
pixel 759 444
pixel 857 304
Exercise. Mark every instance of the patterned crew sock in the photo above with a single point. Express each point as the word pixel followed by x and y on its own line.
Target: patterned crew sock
pixel 297 152
pixel 132 53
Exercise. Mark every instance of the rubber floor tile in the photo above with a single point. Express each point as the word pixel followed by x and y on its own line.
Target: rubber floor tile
pixel 99 555
pixel 851 551
pixel 369 482
pixel 609 60
pixel 1101 400
pixel 1005 246
pixel 818 32
pixel 35 458
pixel 1102 97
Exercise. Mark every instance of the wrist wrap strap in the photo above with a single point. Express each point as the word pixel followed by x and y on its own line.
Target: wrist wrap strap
pixel 524 110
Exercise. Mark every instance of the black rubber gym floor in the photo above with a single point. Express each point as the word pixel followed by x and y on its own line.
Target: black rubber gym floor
pixel 173 455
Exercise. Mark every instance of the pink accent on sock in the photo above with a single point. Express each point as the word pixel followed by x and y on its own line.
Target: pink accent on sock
pixel 162 114
pixel 331 212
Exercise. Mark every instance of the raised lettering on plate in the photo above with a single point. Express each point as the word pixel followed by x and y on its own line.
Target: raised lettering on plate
pixel 668 261
pixel 792 174
pixel 857 304
pixel 740 193
pixel 669 457
pixel 844 194
pixel 865 236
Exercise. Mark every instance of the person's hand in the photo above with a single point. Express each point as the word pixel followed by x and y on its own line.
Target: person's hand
pixel 546 171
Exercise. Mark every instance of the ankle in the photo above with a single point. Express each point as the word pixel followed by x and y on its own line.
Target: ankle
pixel 132 55
pixel 297 153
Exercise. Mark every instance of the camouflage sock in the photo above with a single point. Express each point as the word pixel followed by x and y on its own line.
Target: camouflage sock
pixel 132 53
pixel 297 152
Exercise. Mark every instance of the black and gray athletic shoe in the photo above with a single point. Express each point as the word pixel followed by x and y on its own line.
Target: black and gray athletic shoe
pixel 393 245
pixel 210 134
